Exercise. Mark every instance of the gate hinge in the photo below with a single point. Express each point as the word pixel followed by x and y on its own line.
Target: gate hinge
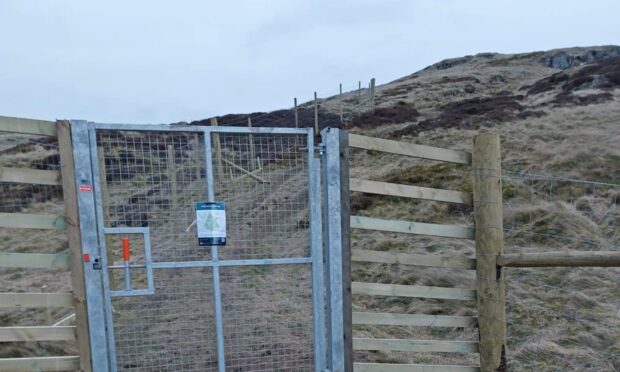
pixel 320 148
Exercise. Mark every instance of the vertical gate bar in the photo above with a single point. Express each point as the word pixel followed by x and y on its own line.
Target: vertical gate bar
pixel 316 244
pixel 217 295
pixel 334 247
pixel 88 233
pixel 103 249
pixel 345 218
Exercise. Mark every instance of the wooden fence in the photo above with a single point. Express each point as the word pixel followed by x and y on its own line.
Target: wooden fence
pixel 34 260
pixel 427 260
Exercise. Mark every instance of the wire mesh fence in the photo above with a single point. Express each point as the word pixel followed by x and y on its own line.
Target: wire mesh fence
pixel 154 180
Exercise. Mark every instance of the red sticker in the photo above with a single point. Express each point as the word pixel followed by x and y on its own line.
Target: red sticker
pixel 86 257
pixel 86 188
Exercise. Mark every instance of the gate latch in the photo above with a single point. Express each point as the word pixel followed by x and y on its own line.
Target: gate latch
pixel 97 263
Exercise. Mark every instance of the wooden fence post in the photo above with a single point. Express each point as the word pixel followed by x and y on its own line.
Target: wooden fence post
pixel 295 112
pixel 316 116
pixel 372 95
pixel 340 99
pixel 252 159
pixel 486 165
pixel 218 151
pixel 69 192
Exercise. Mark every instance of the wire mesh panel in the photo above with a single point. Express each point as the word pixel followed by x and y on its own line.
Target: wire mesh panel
pixel 208 310
pixel 154 179
pixel 263 179
pixel 268 318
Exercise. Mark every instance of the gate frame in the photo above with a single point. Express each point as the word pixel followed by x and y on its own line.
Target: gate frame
pixel 90 210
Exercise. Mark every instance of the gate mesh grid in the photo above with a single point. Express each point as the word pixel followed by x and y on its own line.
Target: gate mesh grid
pixel 267 212
pixel 154 179
pixel 268 318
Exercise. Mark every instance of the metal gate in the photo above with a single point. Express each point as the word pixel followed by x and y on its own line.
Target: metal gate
pixel 160 301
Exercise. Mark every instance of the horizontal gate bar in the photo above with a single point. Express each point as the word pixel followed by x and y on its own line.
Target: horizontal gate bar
pixel 409 149
pixel 57 363
pixel 36 300
pixel 380 367
pixel 426 346
pixel 43 333
pixel 201 129
pixel 27 175
pixel 35 260
pixel 407 227
pixel 416 320
pixel 253 262
pixel 416 291
pixel 453 262
pixel 409 191
pixel 27 126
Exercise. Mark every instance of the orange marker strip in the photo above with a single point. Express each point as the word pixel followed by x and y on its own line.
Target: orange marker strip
pixel 126 249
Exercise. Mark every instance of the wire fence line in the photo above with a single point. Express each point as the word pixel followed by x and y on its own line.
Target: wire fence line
pixel 309 114
pixel 560 211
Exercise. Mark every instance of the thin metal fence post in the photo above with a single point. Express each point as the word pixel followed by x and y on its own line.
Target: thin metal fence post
pixel 337 239
pixel 217 294
pixel 316 241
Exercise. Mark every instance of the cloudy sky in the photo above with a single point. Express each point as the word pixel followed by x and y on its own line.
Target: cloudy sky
pixel 166 61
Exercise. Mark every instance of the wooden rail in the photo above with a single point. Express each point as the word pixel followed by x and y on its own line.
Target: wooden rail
pixel 27 300
pixel 422 346
pixel 407 191
pixel 46 333
pixel 409 149
pixel 417 320
pixel 447 231
pixel 32 221
pixel 27 126
pixel 387 367
pixel 27 175
pixel 57 363
pixel 417 291
pixel 453 262
pixel 560 259
pixel 34 260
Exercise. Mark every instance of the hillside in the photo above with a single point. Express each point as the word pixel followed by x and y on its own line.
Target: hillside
pixel 558 113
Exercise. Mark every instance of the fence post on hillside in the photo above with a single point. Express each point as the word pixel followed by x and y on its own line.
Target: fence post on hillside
pixel 486 166
pixel 218 150
pixel 359 97
pixel 340 99
pixel 316 116
pixel 295 112
pixel 251 164
pixel 69 191
pixel 372 95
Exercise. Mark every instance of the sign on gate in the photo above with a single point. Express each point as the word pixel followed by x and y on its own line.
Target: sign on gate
pixel 211 223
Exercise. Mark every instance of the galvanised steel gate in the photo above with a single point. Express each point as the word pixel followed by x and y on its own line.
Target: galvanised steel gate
pixel 159 301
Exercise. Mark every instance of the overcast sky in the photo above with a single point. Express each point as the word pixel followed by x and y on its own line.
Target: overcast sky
pixel 167 61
